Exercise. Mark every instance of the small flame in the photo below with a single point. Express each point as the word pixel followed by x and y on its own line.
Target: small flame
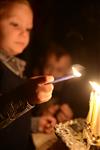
pixel 76 73
pixel 95 86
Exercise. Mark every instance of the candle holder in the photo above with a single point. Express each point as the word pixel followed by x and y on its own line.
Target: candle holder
pixel 75 135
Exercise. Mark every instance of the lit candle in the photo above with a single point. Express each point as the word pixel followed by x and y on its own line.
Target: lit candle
pixel 93 118
pixel 75 74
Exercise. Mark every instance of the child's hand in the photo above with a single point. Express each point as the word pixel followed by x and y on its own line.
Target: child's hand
pixel 51 110
pixel 65 113
pixel 46 124
pixel 40 91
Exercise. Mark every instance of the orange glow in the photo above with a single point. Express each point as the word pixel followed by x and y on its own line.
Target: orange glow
pixel 93 118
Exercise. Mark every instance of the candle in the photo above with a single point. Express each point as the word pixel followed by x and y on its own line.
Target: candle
pixel 60 79
pixel 93 118
pixel 75 73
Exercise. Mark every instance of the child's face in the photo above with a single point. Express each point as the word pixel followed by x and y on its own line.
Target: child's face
pixel 15 29
pixel 57 66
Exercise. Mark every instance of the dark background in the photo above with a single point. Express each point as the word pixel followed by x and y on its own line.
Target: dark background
pixel 74 24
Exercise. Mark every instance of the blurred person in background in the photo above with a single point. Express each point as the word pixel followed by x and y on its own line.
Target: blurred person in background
pixel 56 61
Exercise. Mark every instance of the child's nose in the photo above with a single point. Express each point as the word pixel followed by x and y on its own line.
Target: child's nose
pixel 23 33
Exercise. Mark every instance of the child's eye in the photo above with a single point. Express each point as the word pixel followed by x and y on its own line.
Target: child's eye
pixel 14 24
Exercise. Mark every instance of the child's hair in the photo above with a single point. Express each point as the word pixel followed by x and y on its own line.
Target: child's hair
pixel 6 4
pixel 56 49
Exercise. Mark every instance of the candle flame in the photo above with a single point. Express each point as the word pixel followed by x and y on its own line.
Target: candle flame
pixel 76 73
pixel 95 86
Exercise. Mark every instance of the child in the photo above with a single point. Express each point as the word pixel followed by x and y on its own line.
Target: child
pixel 56 61
pixel 17 94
